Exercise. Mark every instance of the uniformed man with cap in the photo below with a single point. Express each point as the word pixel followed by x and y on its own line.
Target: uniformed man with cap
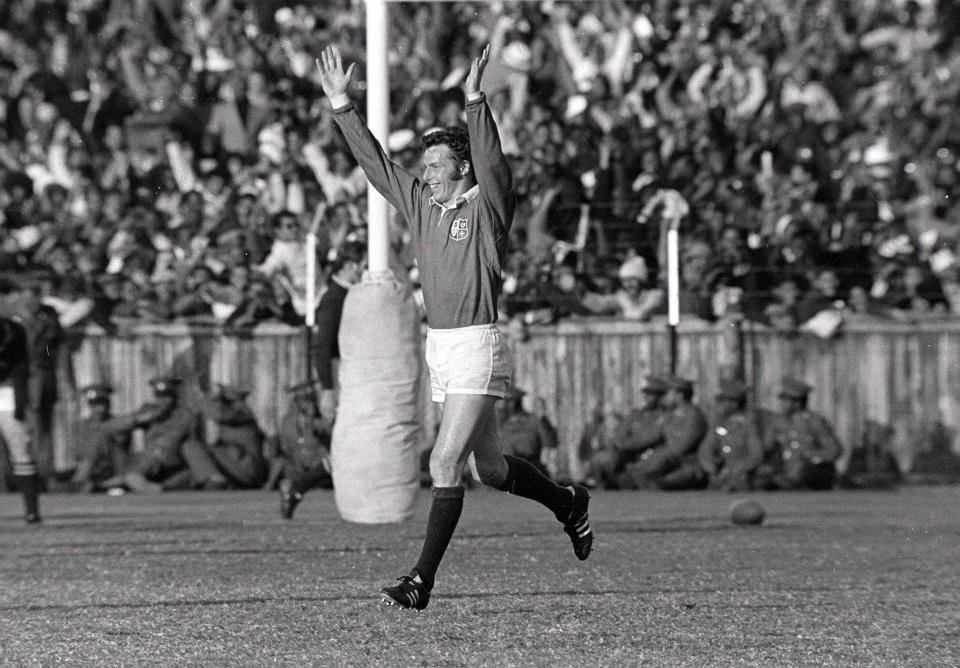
pixel 238 447
pixel 800 446
pixel 173 457
pixel 732 449
pixel 303 442
pixel 639 431
pixel 673 463
pixel 101 447
pixel 522 434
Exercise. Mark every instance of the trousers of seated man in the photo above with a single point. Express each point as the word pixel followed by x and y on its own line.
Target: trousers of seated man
pixel 190 467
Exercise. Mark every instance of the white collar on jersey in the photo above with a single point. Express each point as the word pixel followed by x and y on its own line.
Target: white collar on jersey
pixel 459 200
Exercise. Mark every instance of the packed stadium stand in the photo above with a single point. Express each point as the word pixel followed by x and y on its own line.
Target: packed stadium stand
pixel 152 150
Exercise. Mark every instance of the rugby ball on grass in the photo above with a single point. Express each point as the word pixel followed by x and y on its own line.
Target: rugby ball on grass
pixel 747 512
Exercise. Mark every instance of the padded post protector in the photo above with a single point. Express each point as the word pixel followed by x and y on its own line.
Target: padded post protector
pixel 374 451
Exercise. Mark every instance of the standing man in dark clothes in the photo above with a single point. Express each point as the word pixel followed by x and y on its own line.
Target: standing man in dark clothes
pixel 44 336
pixel 346 271
pixel 459 213
pixel 14 382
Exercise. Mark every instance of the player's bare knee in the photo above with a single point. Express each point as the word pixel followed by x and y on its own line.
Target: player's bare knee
pixel 444 471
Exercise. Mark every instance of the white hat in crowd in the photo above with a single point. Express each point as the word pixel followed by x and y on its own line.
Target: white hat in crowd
pixel 635 267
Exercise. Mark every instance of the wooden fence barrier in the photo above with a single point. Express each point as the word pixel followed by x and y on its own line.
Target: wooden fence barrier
pixel 907 376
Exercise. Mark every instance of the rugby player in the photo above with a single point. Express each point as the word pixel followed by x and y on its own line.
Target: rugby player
pixel 459 212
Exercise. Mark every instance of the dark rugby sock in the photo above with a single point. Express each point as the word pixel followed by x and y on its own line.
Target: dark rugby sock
pixel 29 486
pixel 444 515
pixel 524 479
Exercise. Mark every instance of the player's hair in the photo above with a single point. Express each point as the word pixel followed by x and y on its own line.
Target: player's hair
pixel 454 137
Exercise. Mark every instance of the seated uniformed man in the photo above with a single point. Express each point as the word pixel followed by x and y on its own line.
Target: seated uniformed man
pixel 238 448
pixel 673 465
pixel 638 432
pixel 303 443
pixel 732 449
pixel 522 434
pixel 800 446
pixel 101 448
pixel 173 457
pixel 598 446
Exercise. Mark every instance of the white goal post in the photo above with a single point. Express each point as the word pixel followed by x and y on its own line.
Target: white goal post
pixel 378 118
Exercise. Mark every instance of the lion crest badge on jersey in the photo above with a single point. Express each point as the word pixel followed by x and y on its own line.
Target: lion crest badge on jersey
pixel 458 229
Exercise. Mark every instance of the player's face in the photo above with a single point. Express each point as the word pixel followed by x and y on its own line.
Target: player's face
pixel 444 173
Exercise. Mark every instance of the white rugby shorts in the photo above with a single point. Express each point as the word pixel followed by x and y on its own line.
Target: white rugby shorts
pixel 468 360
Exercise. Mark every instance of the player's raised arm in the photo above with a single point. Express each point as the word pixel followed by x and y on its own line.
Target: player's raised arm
pixel 398 186
pixel 489 163
pixel 471 85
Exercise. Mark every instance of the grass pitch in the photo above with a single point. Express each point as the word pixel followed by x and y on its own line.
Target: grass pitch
pixel 218 578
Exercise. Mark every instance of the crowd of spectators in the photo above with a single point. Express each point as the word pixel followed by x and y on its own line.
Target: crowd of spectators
pixel 161 160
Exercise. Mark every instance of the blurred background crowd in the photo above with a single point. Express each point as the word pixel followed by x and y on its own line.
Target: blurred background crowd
pixel 161 160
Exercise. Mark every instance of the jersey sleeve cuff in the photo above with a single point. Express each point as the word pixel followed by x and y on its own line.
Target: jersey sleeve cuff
pixel 340 101
pixel 473 98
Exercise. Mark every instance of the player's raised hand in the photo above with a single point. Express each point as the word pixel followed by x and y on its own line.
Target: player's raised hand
pixel 472 84
pixel 332 77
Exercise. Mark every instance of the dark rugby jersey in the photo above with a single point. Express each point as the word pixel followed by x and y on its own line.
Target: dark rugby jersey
pixel 460 250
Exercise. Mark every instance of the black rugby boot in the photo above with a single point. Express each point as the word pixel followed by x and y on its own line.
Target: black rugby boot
pixel 412 593
pixel 577 525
